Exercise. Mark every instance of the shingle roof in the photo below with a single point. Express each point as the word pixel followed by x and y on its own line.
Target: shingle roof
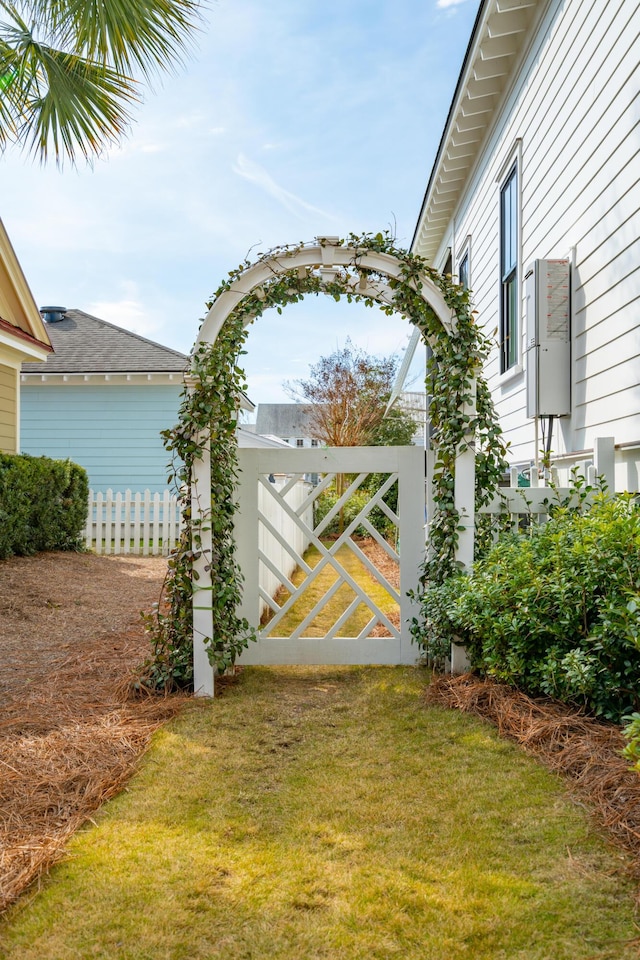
pixel 86 344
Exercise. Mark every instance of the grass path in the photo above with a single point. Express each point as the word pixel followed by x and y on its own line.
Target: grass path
pixel 327 813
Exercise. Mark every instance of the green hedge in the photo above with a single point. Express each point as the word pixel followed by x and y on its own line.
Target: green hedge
pixel 555 611
pixel 43 504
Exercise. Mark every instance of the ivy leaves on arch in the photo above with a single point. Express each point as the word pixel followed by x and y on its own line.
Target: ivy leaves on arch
pixel 469 453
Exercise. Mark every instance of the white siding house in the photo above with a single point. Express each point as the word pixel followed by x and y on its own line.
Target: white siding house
pixel 539 161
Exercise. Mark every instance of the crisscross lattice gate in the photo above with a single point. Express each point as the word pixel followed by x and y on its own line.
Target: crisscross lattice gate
pixel 379 636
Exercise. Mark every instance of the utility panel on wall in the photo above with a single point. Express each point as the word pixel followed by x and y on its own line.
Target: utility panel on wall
pixel 548 364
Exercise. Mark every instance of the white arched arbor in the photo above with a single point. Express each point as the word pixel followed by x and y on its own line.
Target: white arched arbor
pixel 367 274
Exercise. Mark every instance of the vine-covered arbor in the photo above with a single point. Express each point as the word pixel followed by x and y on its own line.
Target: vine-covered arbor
pixel 466 462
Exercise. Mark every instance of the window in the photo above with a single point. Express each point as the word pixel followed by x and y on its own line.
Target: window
pixel 314 443
pixel 299 442
pixel 509 236
pixel 463 270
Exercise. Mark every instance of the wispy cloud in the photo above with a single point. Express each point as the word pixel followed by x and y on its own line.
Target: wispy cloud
pixel 445 4
pixel 254 173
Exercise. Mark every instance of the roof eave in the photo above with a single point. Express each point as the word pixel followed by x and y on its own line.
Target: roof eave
pixel 497 39
pixel 22 344
pixel 30 315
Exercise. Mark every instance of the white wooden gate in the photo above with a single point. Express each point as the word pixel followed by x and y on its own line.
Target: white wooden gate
pixel 380 640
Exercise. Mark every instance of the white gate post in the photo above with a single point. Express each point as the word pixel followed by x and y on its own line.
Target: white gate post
pixel 411 508
pixel 246 532
pixel 464 499
pixel 203 675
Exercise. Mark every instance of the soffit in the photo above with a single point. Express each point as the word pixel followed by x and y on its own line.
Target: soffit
pixel 498 39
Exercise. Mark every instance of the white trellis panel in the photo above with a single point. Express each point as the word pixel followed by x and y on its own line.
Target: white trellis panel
pixel 404 464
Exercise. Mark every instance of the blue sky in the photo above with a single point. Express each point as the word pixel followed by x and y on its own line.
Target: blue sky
pixel 291 119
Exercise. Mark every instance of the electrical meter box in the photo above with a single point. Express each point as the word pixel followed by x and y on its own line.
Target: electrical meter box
pixel 548 359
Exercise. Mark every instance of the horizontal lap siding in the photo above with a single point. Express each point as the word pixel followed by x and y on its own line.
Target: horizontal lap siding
pixel 112 431
pixel 575 107
pixel 8 409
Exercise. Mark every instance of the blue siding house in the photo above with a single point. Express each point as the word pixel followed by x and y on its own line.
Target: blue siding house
pixel 101 400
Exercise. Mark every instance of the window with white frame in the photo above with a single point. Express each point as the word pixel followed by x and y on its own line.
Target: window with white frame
pixel 299 442
pixel 509 279
pixel 463 268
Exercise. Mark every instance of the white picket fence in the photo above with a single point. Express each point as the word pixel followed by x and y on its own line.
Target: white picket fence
pixel 146 524
pixel 149 524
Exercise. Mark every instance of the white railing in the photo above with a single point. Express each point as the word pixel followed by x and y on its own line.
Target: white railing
pixel 146 524
pixel 543 491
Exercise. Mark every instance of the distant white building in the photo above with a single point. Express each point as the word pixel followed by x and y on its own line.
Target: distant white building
pixel 290 422
pixel 534 203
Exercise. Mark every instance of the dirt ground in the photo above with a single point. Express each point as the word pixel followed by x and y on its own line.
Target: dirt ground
pixel 70 635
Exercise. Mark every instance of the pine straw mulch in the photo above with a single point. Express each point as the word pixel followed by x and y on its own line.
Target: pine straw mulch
pixel 586 752
pixel 71 636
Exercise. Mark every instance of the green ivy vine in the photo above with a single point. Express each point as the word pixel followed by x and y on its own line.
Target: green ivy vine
pixel 211 399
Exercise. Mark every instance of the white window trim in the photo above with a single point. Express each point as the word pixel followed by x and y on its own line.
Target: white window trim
pixel 465 251
pixel 512 159
pixel 511 374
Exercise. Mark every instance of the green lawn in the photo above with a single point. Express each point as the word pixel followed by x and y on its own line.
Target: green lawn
pixel 327 813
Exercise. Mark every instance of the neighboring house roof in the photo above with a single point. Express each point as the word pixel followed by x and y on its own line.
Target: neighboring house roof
pixel 284 419
pixel 86 344
pixel 88 347
pixel 21 326
pixel 498 39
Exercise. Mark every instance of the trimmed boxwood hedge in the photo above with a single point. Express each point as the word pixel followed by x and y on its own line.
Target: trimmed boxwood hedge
pixel 43 504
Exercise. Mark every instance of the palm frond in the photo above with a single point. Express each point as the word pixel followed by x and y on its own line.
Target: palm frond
pixel 129 35
pixel 54 100
pixel 81 107
pixel 66 67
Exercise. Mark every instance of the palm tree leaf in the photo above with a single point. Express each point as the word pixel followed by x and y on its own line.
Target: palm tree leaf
pixel 84 107
pixel 147 35
pixel 59 101
pixel 66 67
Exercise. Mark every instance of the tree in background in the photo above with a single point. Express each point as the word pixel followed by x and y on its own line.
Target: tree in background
pixel 67 66
pixel 349 391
